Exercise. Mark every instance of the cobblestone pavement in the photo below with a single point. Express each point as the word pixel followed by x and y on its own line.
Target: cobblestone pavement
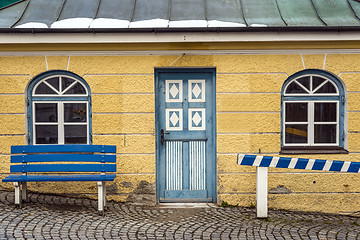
pixel 55 217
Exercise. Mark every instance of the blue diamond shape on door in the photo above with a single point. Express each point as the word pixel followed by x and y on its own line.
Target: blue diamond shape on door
pixel 174 119
pixel 196 119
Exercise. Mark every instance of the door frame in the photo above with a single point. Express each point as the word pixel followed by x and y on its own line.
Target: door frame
pixel 213 149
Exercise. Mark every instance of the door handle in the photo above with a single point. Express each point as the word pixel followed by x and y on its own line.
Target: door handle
pixel 162 136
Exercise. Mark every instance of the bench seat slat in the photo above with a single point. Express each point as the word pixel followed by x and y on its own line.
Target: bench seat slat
pixel 63 148
pixel 63 168
pixel 58 178
pixel 63 158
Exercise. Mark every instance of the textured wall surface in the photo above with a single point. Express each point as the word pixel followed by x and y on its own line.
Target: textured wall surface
pixel 248 121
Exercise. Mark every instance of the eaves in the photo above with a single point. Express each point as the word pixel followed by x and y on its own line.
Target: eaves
pixel 179 35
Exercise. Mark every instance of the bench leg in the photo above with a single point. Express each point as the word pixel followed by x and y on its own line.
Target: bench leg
pixel 101 197
pixel 104 194
pixel 17 194
pixel 24 194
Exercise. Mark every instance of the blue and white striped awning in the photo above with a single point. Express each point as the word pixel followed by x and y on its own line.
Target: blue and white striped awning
pixel 298 163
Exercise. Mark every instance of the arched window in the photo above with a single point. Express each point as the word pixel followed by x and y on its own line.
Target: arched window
pixel 313 113
pixel 58 109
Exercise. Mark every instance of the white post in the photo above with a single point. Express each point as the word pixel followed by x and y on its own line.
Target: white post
pixel 104 194
pixel 100 197
pixel 17 194
pixel 261 192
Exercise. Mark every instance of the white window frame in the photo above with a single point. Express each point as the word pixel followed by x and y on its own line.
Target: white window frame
pixel 61 121
pixel 311 123
pixel 312 91
pixel 60 93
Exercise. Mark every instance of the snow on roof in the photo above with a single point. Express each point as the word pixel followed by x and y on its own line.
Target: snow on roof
pixel 109 23
pixel 179 14
pixel 32 25
pixel 73 23
pixel 188 24
pixel 152 23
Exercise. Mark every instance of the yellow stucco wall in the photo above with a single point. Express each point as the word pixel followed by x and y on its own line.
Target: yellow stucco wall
pixel 248 121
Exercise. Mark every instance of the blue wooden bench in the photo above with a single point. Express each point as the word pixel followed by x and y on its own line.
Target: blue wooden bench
pixel 60 163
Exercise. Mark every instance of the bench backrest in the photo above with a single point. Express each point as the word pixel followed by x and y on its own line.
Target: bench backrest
pixel 51 158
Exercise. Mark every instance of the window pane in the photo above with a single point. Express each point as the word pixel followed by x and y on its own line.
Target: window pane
pixel 325 133
pixel 296 133
pixel 46 112
pixel 44 89
pixel 305 81
pixel 317 81
pixel 75 134
pixel 46 134
pixel 296 112
pixel 325 112
pixel 54 82
pixel 66 82
pixel 75 112
pixel 327 88
pixel 295 88
pixel 76 89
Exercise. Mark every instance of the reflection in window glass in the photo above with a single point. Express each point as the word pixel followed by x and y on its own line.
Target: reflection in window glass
pixel 75 134
pixel 325 133
pixel 296 112
pixel 75 112
pixel 44 89
pixel 46 134
pixel 295 88
pixel 66 82
pixel 317 81
pixel 305 81
pixel 76 89
pixel 46 112
pixel 296 133
pixel 54 82
pixel 325 112
pixel 327 88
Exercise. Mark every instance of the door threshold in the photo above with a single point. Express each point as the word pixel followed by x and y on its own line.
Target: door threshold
pixel 187 205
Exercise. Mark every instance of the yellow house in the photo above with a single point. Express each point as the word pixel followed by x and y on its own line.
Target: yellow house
pixel 182 87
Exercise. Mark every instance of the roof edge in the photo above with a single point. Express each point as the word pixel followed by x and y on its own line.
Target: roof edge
pixel 177 30
pixel 51 36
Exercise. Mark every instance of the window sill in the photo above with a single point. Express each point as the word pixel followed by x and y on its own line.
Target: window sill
pixel 313 150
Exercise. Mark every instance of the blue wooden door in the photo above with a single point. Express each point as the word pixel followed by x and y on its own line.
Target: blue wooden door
pixel 185 133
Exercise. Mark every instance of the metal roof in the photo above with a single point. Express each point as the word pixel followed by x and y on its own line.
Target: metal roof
pixel 170 14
